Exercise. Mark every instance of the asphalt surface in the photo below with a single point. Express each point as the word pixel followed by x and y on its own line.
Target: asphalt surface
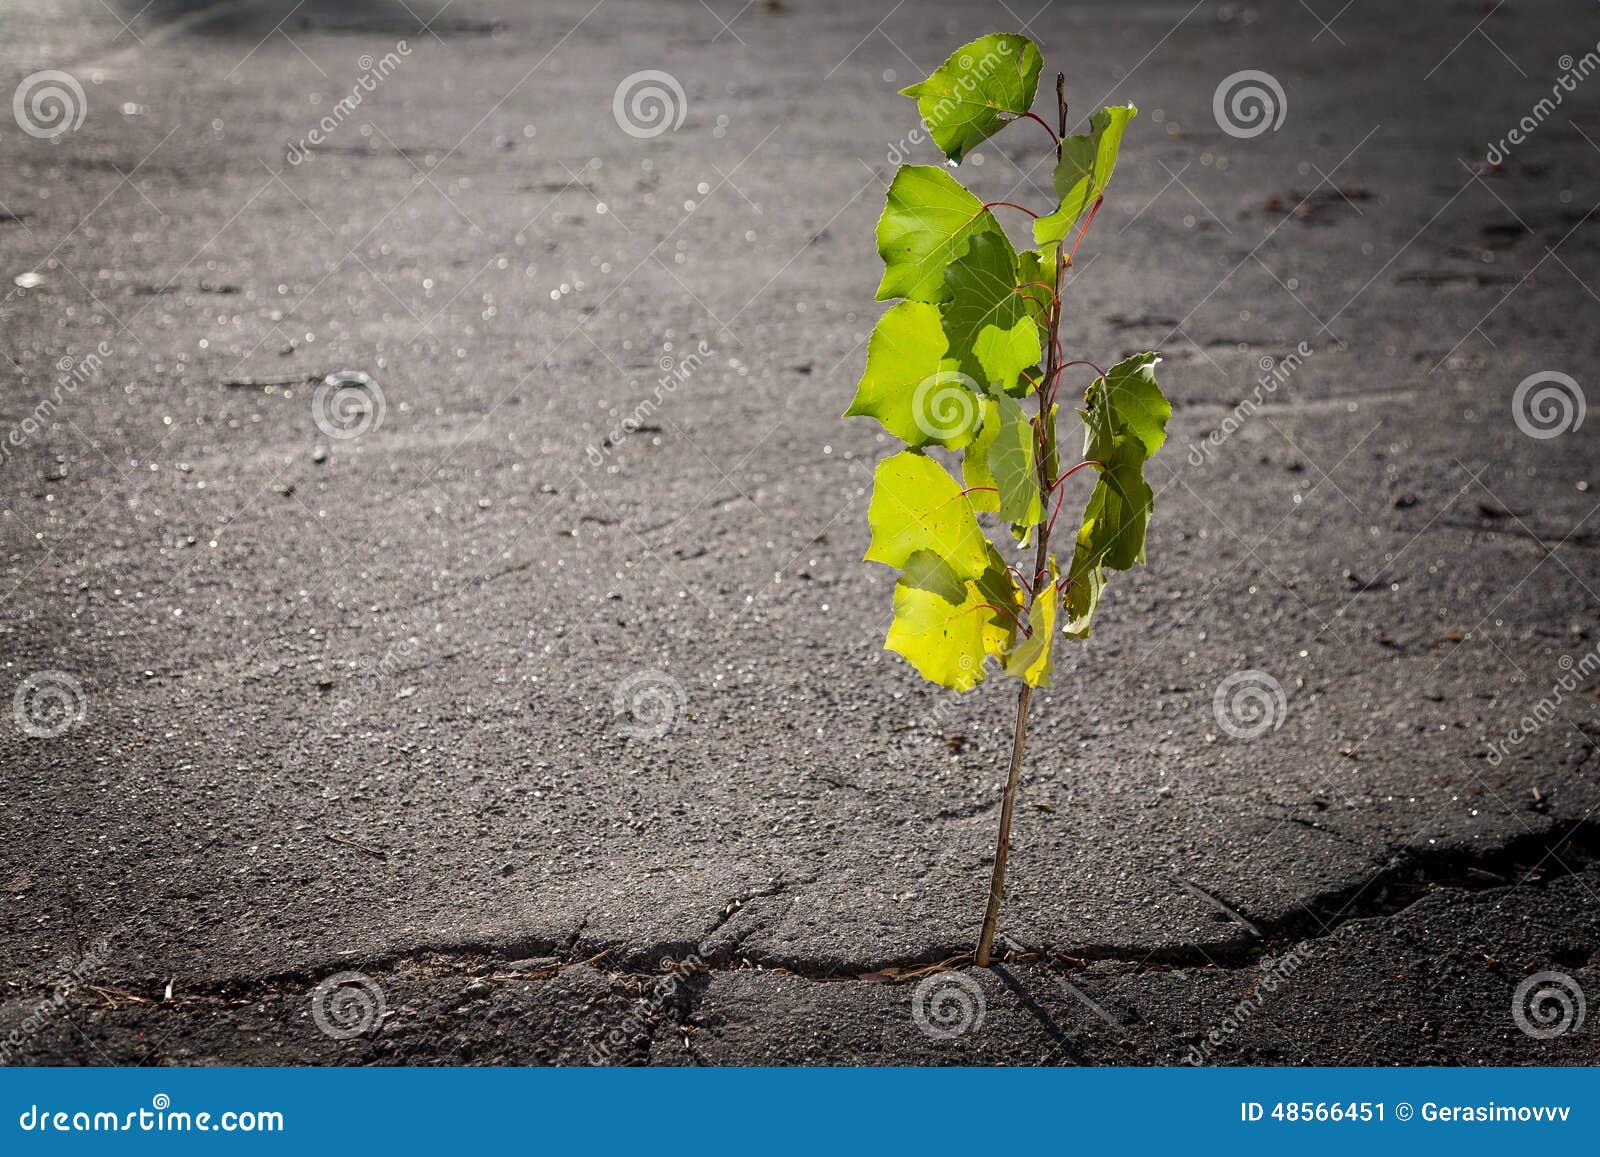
pixel 501 704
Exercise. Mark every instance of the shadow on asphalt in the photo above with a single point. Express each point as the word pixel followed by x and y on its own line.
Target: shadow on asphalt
pixel 1019 988
pixel 259 18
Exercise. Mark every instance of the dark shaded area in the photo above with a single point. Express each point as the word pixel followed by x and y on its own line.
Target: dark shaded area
pixel 256 18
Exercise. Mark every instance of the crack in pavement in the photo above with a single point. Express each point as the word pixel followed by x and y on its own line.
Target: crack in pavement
pixel 1408 875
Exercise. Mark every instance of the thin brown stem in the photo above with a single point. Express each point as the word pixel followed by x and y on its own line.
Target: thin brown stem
pixel 991 916
pixel 1045 453
pixel 1061 110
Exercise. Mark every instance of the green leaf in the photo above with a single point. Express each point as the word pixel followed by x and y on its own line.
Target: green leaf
pixel 1125 419
pixel 1126 401
pixel 928 219
pixel 1086 580
pixel 1013 462
pixel 987 322
pixel 928 572
pixel 946 626
pixel 1029 660
pixel 1119 509
pixel 982 490
pixel 1112 534
pixel 1113 530
pixel 910 386
pixel 916 505
pixel 1004 353
pixel 982 87
pixel 1084 171
pixel 946 368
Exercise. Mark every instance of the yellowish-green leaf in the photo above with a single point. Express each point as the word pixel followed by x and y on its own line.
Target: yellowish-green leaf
pixel 947 626
pixel 1084 170
pixel 982 87
pixel 982 491
pixel 948 368
pixel 1029 660
pixel 917 506
pixel 910 386
pixel 928 220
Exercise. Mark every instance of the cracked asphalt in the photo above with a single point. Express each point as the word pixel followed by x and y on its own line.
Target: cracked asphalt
pixel 565 664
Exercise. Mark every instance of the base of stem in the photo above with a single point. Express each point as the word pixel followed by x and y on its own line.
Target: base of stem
pixel 997 881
